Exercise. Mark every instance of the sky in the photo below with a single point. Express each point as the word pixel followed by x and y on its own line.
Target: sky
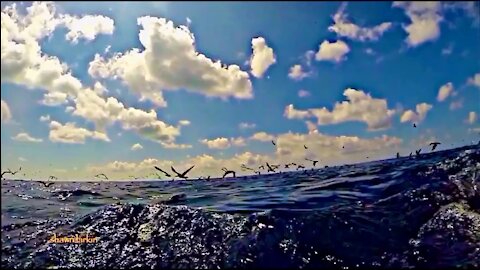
pixel 118 88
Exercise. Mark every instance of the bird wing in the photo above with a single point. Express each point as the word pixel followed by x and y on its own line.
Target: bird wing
pixel 185 172
pixel 173 169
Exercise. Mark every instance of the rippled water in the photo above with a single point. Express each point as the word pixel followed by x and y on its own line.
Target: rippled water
pixel 398 213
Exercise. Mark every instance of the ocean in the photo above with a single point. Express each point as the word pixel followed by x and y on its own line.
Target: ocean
pixel 418 212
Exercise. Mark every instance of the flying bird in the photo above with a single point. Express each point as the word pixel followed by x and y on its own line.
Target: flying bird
pixel 434 145
pixel 46 184
pixel 166 174
pixel 270 168
pixel 244 167
pixel 52 177
pixel 410 154
pixel 417 152
pixel 11 172
pixel 304 146
pixel 300 167
pixel 261 167
pixel 101 175
pixel 182 175
pixel 227 172
pixel 273 143
pixel 414 125
pixel 314 162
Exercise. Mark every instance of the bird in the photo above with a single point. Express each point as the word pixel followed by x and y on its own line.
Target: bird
pixel 287 166
pixel 257 172
pixel 166 174
pixel 244 167
pixel 398 155
pixel 270 168
pixel 46 184
pixel 182 175
pixel 434 145
pixel 343 147
pixel 414 125
pixel 300 167
pixel 304 146
pixel 417 152
pixel 410 154
pixel 314 162
pixel 208 177
pixel 228 172
pixel 11 172
pixel 52 177
pixel 101 175
pixel 261 167
pixel 274 143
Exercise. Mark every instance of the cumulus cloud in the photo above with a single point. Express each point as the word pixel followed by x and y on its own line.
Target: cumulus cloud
pixel 303 93
pixel 71 134
pixel 472 118
pixel 25 137
pixel 54 99
pixel 45 118
pixel 445 91
pixel 223 143
pixel 262 136
pixel 418 116
pixel 291 113
pixel 475 80
pixel 332 51
pixel 87 27
pixel 425 20
pixel 6 114
pixel 170 61
pixel 245 125
pixel 360 106
pixel 344 28
pixel 262 57
pixel 136 146
pixel 297 73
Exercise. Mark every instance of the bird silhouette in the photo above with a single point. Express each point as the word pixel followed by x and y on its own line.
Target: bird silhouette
pixel 273 143
pixel 314 162
pixel 300 167
pixel 304 146
pixel 244 167
pixel 414 125
pixel 101 175
pixel 227 172
pixel 398 155
pixel 52 177
pixel 270 168
pixel 46 184
pixel 182 175
pixel 434 145
pixel 164 172
pixel 261 167
pixel 8 171
pixel 410 154
pixel 417 152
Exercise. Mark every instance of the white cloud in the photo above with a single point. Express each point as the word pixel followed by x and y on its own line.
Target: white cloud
pixel 171 145
pixel 69 109
pixel 419 116
pixel 25 137
pixel 370 51
pixel 45 118
pixel 344 28
pixel 445 91
pixel 170 62
pixel 184 122
pixel 262 136
pixel 296 73
pixel 262 57
pixel 22 159
pixel 136 146
pixel 218 143
pixel 472 117
pixel 6 114
pixel 87 27
pixel 54 98
pixel 244 125
pixel 239 141
pixel 303 93
pixel 475 80
pixel 70 133
pixel 291 113
pixel 425 20
pixel 332 51
pixel 360 106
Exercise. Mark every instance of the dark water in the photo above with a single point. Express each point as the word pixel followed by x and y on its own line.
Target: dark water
pixel 400 213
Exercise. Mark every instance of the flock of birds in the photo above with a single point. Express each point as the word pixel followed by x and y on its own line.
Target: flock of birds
pixel 183 175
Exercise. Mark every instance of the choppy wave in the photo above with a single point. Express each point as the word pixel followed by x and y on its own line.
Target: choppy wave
pixel 402 213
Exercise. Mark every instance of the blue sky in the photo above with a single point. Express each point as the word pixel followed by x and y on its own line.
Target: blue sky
pixel 380 59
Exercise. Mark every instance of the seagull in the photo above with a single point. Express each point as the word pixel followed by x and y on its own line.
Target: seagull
pixel 52 177
pixel 414 125
pixel 208 177
pixel 261 167
pixel 257 172
pixel 166 174
pixel 273 143
pixel 270 168
pixel 314 162
pixel 304 146
pixel 300 166
pixel 101 175
pixel 244 167
pixel 410 154
pixel 434 145
pixel 398 155
pixel 417 152
pixel 182 175
pixel 228 172
pixel 46 184
pixel 11 172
